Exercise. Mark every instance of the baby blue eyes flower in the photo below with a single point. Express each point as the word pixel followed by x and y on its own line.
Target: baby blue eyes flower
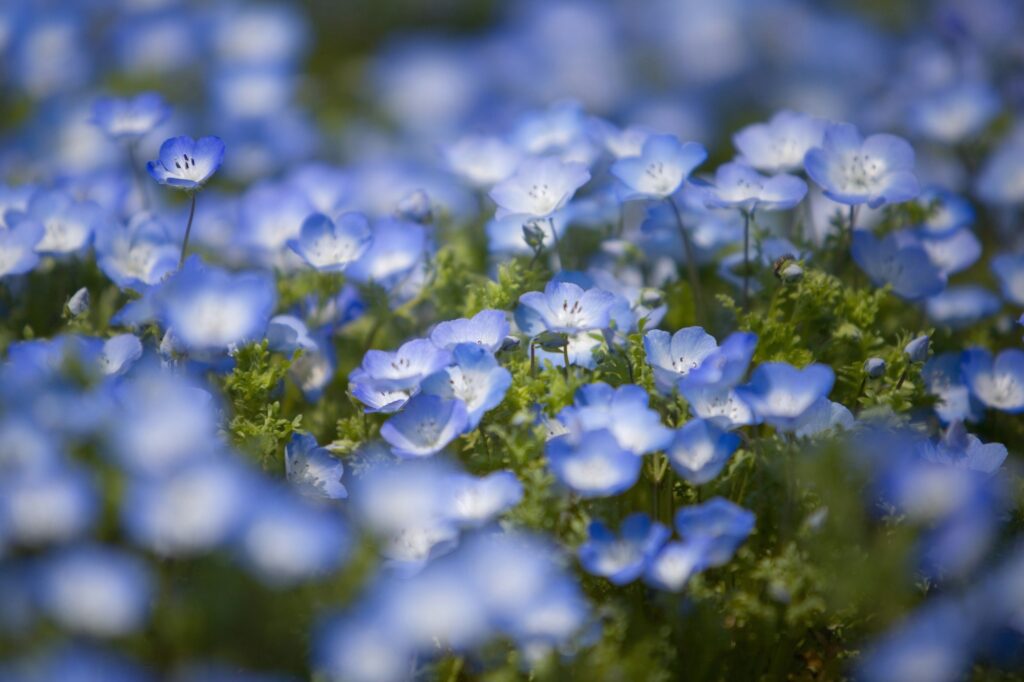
pixel 475 378
pixel 95 591
pixel 623 411
pixel 313 470
pixel 781 394
pixel 673 356
pixel 944 379
pixel 481 160
pixel 955 114
pixel 595 465
pixel 962 306
pixel 781 144
pixel 947 212
pixel 565 308
pixel 425 426
pixel 539 187
pixel 700 450
pixel 130 118
pixel 406 367
pixel 68 225
pixel 331 245
pixel 852 170
pixel 898 259
pixel 185 163
pixel 718 524
pixel 661 168
pixel 18 248
pixel 477 501
pixel 1001 178
pixel 622 558
pixel 998 382
pixel 1009 270
pixel 739 186
pixel 488 329
pixel 213 310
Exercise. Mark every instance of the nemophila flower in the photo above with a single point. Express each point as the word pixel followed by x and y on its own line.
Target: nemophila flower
pixel 94 590
pixel 944 379
pixel 378 396
pixel 961 306
pixel 1009 270
pixel 852 170
pixel 415 207
pixel 539 187
pixel 119 354
pixel 564 307
pixel 474 377
pixel 130 118
pixel 407 367
pixel 68 225
pixel 737 185
pixel 619 142
pixel 195 508
pixel 781 394
pixel 950 253
pixel 700 450
pixel 269 216
pixel 824 416
pixel 288 334
pixel 661 167
pixel 327 188
pixel 285 539
pixel 476 501
pixel 947 212
pixel 488 329
pixel 1001 178
pixel 581 349
pixel 482 160
pixel 963 450
pixel 398 247
pixel 331 245
pixel 956 113
pixel 595 465
pixel 781 144
pixel 79 303
pixel 672 567
pixel 425 426
pixel 185 163
pixel 997 382
pixel 57 504
pixel 719 524
pixel 725 366
pixel 898 260
pixel 138 255
pixel 313 470
pixel 18 248
pixel 932 645
pixel 623 411
pixel 673 356
pixel 622 558
pixel 212 310
pixel 917 348
pixel 723 407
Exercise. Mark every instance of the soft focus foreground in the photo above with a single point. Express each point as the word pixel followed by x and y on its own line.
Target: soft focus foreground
pixel 556 340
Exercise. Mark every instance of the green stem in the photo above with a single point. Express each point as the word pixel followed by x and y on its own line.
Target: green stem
pixel 558 245
pixel 691 262
pixel 746 260
pixel 188 231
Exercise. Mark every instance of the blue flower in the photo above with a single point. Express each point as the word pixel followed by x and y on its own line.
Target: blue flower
pixel 933 645
pixel 565 308
pixel 898 259
pixel 739 186
pixel 952 252
pixel 700 450
pixel 673 356
pixel 425 426
pixel 725 366
pixel 539 187
pixel 95 590
pixel 397 249
pixel 999 180
pixel 824 416
pixel 68 225
pixel 595 465
pixel 1009 270
pixel 874 171
pixel 185 163
pixel 999 382
pixel 130 118
pixel 475 378
pixel 119 354
pixel 488 329
pixel 962 306
pixel 331 245
pixel 286 539
pixel 943 377
pixel 313 470
pixel 477 501
pixel 482 161
pixel 964 450
pixel 781 394
pixel 407 367
pixel 719 524
pixel 948 212
pixel 661 168
pixel 623 411
pixel 723 407
pixel 209 309
pixel 781 144
pixel 622 558
pixel 138 255
pixel 673 566
pixel 51 504
pixel 956 113
pixel 18 248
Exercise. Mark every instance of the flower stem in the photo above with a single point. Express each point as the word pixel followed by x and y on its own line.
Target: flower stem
pixel 557 250
pixel 137 176
pixel 691 262
pixel 746 260
pixel 188 231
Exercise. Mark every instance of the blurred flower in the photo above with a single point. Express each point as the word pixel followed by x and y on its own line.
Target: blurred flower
pixel 595 465
pixel 623 558
pixel 874 171
pixel 331 245
pixel 130 118
pixel 997 382
pixel 781 394
pixel 780 144
pixel 700 450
